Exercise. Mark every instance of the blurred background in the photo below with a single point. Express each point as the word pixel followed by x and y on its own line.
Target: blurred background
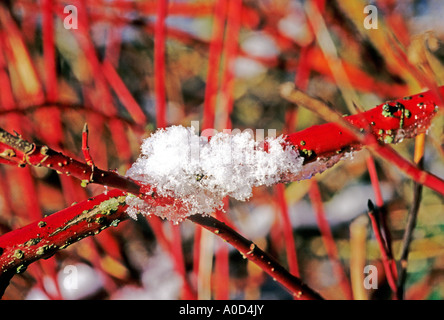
pixel 129 67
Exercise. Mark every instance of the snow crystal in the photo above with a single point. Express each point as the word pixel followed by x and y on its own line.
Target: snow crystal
pixel 201 171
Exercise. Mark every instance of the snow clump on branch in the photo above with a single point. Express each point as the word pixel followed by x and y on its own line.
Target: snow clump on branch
pixel 201 172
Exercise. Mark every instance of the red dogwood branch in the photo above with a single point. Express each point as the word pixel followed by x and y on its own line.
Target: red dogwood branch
pixel 21 152
pixel 255 254
pixel 41 239
pixel 412 115
pixel 387 123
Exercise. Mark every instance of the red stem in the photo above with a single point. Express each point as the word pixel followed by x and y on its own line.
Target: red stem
pixel 124 95
pixel 230 51
pixel 222 262
pixel 177 253
pixel 344 134
pixel 159 62
pixel 216 43
pixel 375 181
pixel 85 147
pixel 288 231
pixel 49 50
pixel 160 94
pixel 328 240
pixel 22 152
pixel 222 272
pixel 44 237
pixel 258 256
pixel 387 260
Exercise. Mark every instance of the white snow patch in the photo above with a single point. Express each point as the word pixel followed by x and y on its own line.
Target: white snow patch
pixel 181 164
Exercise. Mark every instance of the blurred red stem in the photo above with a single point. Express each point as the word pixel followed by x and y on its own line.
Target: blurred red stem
pixel 328 239
pixel 375 181
pixel 159 62
pixel 387 260
pixel 288 231
pixel 214 58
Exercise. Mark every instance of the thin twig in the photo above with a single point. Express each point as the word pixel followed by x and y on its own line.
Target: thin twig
pixel 159 62
pixel 328 240
pixel 214 60
pixel 407 239
pixel 24 153
pixel 411 219
pixel 85 147
pixel 382 215
pixel 387 258
pixel 258 256
pixel 288 231
pixel 32 154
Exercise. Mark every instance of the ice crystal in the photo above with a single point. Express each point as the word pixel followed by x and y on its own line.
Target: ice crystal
pixel 201 171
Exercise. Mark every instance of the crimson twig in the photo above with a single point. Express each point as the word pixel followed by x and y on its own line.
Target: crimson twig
pixel 23 152
pixel 378 218
pixel 411 219
pixel 85 147
pixel 17 150
pixel 328 239
pixel 386 253
pixel 258 256
pixel 373 128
